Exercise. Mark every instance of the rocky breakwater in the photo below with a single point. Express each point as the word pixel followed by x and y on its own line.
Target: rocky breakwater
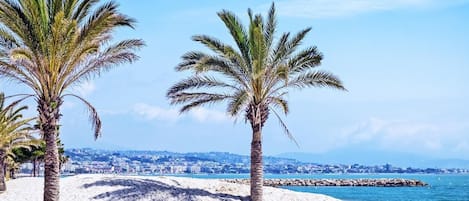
pixel 336 182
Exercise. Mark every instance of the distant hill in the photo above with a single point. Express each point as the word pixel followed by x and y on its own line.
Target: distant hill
pixel 368 157
pixel 221 157
pixel 346 157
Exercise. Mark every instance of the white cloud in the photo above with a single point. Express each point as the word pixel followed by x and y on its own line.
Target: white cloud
pixel 205 115
pixel 199 114
pixel 462 146
pixel 336 8
pixel 85 88
pixel 411 136
pixel 154 112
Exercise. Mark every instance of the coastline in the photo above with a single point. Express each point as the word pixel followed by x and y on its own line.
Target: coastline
pixel 104 187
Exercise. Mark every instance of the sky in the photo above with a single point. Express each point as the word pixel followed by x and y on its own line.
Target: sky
pixel 405 64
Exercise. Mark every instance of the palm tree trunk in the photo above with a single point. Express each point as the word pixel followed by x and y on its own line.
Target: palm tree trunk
pixel 49 117
pixel 12 173
pixel 3 186
pixel 256 163
pixel 34 167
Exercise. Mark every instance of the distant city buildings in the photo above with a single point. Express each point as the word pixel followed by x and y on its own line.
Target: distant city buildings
pixel 159 162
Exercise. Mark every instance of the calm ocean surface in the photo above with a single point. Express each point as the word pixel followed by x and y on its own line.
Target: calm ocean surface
pixel 441 187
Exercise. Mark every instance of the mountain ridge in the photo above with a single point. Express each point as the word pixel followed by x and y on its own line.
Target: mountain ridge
pixel 337 157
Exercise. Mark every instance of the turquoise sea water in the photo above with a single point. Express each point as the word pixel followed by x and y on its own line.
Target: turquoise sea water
pixel 441 187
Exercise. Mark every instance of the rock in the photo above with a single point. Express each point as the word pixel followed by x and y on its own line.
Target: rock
pixel 335 182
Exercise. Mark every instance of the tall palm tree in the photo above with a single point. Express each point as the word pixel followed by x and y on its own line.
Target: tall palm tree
pixel 253 78
pixel 14 133
pixel 51 45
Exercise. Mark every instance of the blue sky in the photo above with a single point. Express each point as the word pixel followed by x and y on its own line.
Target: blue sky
pixel 404 62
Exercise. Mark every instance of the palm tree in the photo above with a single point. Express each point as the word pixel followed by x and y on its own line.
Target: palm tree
pixel 22 155
pixel 63 159
pixel 35 155
pixel 51 45
pixel 12 167
pixel 14 133
pixel 258 75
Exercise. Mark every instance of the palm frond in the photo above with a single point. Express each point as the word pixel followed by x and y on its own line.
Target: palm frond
pixel 190 59
pixel 304 60
pixel 280 49
pixel 124 46
pixel 68 7
pixel 295 41
pixel 14 21
pixel 54 6
pixel 286 46
pixel 316 79
pixel 7 39
pixel 14 103
pixel 201 102
pixel 285 129
pixel 238 102
pixel 270 26
pixel 257 45
pixel 280 103
pixel 93 115
pixel 196 82
pixel 185 97
pixel 104 19
pixel 83 9
pixel 203 63
pixel 16 74
pixel 119 53
pixel 14 129
pixel 223 50
pixel 238 33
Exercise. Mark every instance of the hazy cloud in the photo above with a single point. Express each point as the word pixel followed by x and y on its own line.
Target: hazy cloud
pixel 205 115
pixel 462 147
pixel 407 135
pixel 154 112
pixel 151 112
pixel 337 8
pixel 85 88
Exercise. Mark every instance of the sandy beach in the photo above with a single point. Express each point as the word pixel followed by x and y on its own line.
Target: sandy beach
pixel 142 188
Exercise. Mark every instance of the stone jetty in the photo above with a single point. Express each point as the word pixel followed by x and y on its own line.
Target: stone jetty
pixel 336 182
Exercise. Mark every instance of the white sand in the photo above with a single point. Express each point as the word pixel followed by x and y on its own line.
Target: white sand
pixel 161 188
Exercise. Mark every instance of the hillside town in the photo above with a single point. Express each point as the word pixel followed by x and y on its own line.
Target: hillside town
pixel 161 162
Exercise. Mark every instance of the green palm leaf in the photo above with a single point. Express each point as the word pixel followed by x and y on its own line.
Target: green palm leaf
pixel 15 132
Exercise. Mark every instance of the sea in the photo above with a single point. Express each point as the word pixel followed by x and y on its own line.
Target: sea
pixel 442 187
